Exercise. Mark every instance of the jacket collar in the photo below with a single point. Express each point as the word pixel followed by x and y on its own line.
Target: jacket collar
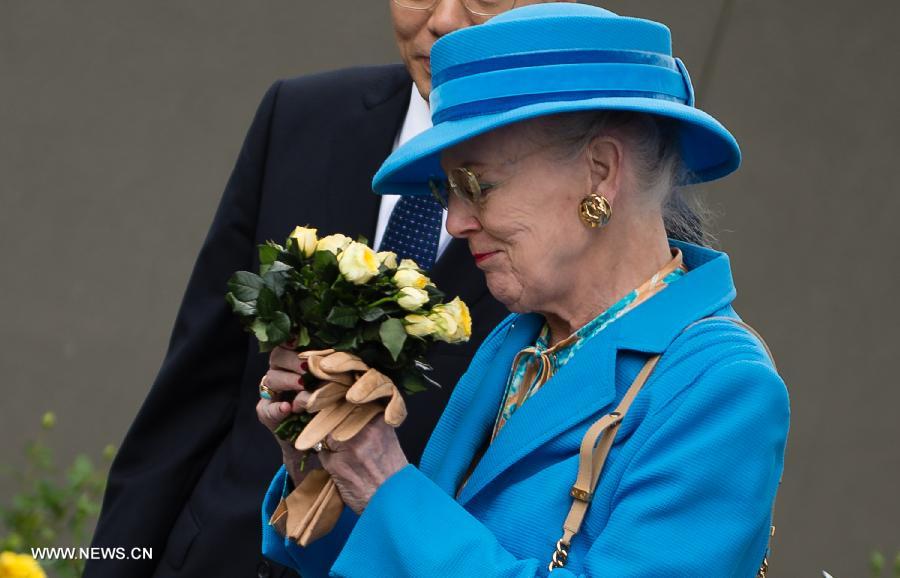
pixel 582 389
pixel 707 287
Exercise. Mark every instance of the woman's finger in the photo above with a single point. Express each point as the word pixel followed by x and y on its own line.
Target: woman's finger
pixel 272 413
pixel 280 380
pixel 286 359
pixel 299 403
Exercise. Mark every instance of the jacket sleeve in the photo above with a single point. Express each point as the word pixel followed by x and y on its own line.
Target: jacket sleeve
pixel 696 497
pixel 694 500
pixel 173 436
pixel 313 560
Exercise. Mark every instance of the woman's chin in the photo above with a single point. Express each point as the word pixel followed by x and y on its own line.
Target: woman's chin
pixel 509 294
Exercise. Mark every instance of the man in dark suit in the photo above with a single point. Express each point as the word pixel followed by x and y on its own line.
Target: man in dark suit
pixel 190 476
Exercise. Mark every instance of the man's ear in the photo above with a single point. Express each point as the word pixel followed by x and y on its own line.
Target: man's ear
pixel 604 156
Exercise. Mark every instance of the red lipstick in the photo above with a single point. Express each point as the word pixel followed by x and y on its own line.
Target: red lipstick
pixel 479 257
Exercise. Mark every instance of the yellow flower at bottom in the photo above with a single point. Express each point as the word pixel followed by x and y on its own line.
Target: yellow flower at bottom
pixel 419 325
pixel 454 321
pixel 14 565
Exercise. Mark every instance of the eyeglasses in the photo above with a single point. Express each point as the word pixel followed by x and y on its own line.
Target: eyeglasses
pixel 476 7
pixel 461 182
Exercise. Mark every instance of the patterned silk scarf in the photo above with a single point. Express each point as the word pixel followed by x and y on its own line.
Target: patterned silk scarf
pixel 533 366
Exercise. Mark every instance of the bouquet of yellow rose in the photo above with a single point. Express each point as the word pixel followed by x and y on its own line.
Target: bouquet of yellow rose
pixel 336 293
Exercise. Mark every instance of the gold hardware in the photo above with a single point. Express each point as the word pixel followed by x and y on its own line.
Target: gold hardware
pixel 560 556
pixel 595 211
pixel 580 494
pixel 763 569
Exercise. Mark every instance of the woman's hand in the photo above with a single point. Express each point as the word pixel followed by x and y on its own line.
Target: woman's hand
pixel 361 464
pixel 286 375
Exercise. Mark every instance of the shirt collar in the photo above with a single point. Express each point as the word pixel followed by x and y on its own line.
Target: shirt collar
pixel 417 120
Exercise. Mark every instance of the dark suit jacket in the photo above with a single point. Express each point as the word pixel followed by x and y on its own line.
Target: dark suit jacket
pixel 191 474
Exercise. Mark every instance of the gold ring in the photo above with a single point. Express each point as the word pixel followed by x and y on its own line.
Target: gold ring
pixel 321 446
pixel 265 392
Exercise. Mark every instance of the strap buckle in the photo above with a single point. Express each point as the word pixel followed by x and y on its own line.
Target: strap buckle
pixel 579 494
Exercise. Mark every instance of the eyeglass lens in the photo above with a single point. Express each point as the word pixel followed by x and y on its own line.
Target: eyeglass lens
pixel 479 7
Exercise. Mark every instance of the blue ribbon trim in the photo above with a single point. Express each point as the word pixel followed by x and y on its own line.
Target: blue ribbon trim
pixel 551 57
pixel 499 105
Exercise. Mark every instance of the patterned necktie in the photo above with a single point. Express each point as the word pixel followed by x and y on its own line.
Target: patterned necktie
pixel 414 230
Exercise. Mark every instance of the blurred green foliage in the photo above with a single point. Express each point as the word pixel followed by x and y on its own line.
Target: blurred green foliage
pixel 877 563
pixel 54 506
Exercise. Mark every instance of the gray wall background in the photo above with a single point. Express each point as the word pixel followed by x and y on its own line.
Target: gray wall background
pixel 120 121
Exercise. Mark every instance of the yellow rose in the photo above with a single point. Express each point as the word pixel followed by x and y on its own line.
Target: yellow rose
pixel 446 324
pixel 463 317
pixel 387 258
pixel 408 264
pixel 306 240
pixel 412 298
pixel 419 326
pixel 358 263
pixel 410 278
pixel 454 321
pixel 14 565
pixel 333 243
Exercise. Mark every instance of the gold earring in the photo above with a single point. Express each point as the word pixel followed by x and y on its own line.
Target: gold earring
pixel 595 211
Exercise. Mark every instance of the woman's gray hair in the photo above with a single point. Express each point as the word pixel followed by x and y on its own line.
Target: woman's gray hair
pixel 654 139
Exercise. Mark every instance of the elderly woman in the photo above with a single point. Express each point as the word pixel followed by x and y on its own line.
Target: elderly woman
pixel 561 132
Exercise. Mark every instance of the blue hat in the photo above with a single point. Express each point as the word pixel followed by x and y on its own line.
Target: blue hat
pixel 552 58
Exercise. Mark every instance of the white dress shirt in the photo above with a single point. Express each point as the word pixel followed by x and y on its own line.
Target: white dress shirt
pixel 418 119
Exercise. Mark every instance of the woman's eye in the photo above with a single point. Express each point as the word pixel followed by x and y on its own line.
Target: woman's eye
pixel 485 189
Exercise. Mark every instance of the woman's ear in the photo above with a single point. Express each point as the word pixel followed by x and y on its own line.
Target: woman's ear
pixel 604 157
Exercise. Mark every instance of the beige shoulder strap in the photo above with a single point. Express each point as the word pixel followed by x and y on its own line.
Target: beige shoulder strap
pixel 590 463
pixel 592 456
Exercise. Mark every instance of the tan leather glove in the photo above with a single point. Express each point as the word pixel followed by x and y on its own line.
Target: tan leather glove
pixel 351 396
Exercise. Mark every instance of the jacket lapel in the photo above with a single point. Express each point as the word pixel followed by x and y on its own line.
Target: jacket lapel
pixel 586 386
pixel 469 416
pixel 581 389
pixel 362 145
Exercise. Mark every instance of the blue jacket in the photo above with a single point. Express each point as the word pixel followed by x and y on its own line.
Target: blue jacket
pixel 687 489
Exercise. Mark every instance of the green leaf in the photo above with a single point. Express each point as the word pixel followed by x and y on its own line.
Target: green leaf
pixel 279 330
pixel 267 303
pixel 80 471
pixel 328 335
pixel 267 254
pixel 371 333
pixel 325 265
pixel 292 425
pixel 413 383
pixel 876 563
pixel 276 278
pixel 239 307
pixel 303 336
pixel 259 330
pixel 245 285
pixel 393 336
pixel 343 317
pixel 372 314
pixel 348 342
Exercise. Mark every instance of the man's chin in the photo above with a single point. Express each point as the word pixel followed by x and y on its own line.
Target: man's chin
pixel 421 78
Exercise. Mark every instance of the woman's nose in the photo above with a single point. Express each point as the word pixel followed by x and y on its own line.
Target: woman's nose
pixel 447 16
pixel 462 221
